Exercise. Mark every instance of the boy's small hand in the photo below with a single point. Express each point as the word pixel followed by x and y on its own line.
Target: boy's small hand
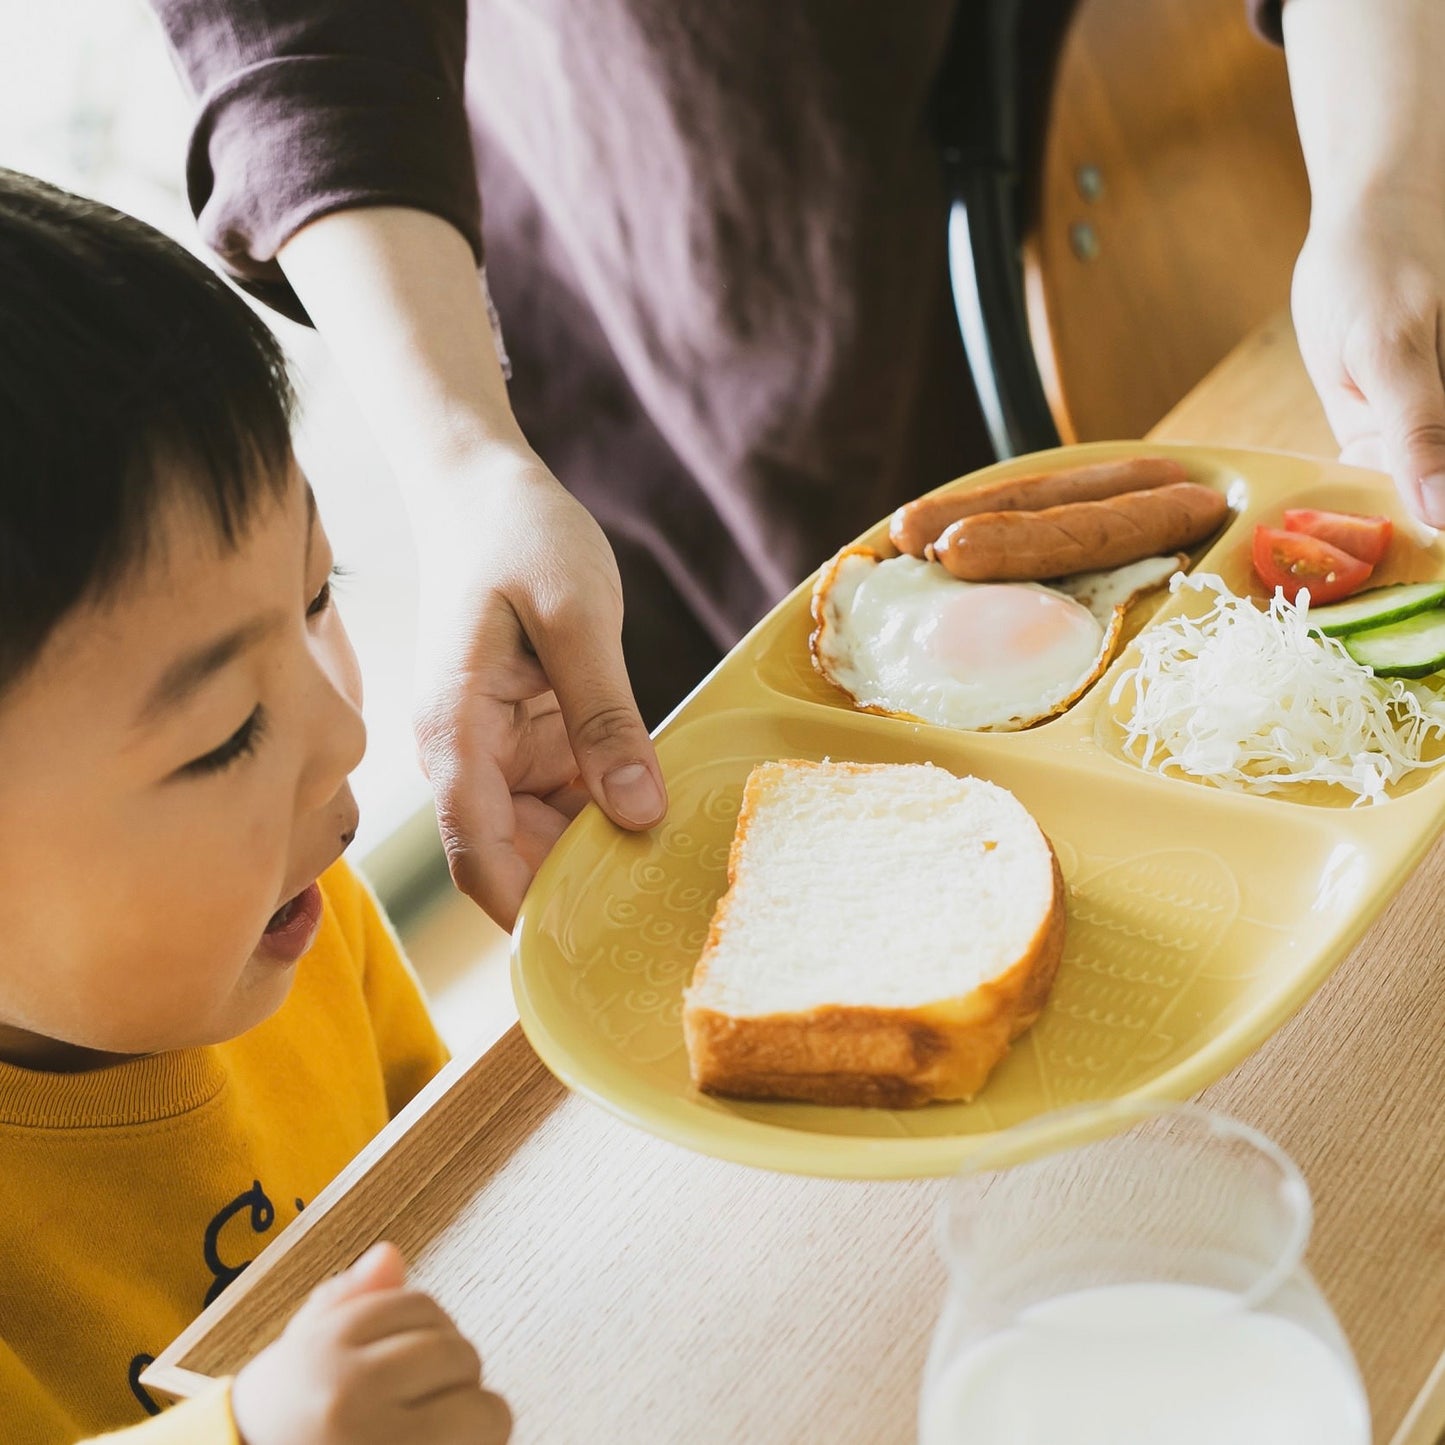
pixel 366 1359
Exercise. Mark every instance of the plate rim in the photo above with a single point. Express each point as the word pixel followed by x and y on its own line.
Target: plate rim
pixel 748 1141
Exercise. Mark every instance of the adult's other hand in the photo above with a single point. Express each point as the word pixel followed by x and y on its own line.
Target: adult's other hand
pixel 1369 301
pixel 1369 288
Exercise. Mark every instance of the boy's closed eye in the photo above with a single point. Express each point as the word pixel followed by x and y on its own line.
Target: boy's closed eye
pixel 243 741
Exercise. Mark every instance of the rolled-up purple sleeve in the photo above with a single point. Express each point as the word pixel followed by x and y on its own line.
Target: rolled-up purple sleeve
pixel 1265 17
pixel 312 106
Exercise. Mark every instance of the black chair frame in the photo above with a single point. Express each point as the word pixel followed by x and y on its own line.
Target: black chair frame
pixel 990 110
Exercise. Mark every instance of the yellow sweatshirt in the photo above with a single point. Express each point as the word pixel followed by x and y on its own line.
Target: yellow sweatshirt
pixel 131 1196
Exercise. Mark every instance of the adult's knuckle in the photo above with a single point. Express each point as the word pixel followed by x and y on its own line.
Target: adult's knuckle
pixel 461 855
pixel 1424 434
pixel 1397 343
pixel 435 730
pixel 560 611
pixel 450 760
pixel 605 725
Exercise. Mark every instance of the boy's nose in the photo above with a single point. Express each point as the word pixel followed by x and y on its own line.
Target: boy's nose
pixel 339 752
pixel 338 740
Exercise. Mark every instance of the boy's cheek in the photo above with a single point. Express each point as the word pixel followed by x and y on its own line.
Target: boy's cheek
pixel 153 962
pixel 142 952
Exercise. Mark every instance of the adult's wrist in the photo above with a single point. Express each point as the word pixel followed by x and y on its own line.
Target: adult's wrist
pixel 397 295
pixel 1370 111
pixel 470 481
pixel 1398 198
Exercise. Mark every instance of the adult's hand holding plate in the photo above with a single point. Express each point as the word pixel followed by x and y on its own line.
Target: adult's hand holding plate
pixel 526 707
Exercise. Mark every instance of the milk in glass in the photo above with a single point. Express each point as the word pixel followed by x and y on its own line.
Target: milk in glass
pixel 1143 1364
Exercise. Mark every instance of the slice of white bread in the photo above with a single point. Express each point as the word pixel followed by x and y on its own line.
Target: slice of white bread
pixel 887 931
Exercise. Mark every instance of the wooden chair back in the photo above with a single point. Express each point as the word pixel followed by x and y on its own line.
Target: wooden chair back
pixel 1168 204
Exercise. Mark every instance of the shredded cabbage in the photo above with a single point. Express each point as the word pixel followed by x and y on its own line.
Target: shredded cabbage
pixel 1251 700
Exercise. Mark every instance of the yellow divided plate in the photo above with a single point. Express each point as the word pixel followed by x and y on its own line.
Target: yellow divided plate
pixel 1199 920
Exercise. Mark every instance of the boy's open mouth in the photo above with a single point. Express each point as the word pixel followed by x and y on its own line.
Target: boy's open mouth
pixel 292 927
pixel 284 914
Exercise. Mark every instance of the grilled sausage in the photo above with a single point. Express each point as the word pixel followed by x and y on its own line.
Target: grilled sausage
pixel 917 525
pixel 1080 536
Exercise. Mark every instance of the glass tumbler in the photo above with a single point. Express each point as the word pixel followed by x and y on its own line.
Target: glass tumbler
pixel 1134 1275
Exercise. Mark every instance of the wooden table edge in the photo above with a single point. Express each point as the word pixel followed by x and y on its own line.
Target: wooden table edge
pixel 1424 1424
pixel 498 1074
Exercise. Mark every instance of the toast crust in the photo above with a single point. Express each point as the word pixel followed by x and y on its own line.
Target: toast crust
pixel 891 1058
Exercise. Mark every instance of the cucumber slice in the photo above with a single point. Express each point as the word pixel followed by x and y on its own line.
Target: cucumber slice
pixel 1376 607
pixel 1412 648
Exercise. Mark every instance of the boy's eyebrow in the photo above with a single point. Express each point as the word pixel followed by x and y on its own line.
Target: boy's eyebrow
pixel 184 676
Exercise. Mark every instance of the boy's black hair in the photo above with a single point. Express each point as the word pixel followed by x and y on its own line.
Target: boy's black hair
pixel 128 370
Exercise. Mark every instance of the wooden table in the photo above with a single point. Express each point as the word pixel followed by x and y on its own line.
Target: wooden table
pixel 622 1288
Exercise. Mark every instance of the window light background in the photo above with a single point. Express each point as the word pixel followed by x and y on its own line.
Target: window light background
pixel 89 100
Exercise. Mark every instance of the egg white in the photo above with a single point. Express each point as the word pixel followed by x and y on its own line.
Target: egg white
pixel 904 636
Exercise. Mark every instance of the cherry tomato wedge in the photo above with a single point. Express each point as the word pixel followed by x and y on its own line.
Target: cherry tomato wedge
pixel 1292 561
pixel 1367 538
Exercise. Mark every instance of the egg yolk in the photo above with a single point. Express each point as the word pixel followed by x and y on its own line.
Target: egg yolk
pixel 986 630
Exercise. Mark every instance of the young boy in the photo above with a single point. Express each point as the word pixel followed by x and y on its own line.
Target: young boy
pixel 202 1014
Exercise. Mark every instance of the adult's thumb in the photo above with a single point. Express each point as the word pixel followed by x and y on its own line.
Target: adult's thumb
pixel 586 670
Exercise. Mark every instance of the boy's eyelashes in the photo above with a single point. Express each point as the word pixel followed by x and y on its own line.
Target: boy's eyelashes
pixel 322 600
pixel 238 745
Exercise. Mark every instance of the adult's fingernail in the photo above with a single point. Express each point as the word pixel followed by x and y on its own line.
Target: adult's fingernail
pixel 633 794
pixel 1432 498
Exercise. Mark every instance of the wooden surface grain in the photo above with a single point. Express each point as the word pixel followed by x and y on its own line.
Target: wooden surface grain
pixel 622 1288
pixel 1258 396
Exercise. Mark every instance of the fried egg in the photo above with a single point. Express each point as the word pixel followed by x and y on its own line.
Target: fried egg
pixel 903 636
